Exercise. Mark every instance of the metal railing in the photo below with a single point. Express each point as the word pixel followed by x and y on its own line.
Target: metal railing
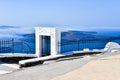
pixel 12 46
pixel 82 44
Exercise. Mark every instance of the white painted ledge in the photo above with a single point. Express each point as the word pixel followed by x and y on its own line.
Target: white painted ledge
pixel 39 59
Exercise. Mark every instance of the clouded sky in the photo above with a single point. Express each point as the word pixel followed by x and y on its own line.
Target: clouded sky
pixel 84 14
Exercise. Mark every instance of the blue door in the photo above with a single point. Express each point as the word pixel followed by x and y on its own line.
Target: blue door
pixel 45 45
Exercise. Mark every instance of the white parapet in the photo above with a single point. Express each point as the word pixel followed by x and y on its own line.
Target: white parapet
pixel 111 47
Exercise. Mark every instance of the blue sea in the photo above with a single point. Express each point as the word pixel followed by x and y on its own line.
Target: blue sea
pixel 29 46
pixel 92 44
pixel 109 33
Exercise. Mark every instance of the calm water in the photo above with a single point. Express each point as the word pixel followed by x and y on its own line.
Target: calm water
pixel 30 47
pixel 109 33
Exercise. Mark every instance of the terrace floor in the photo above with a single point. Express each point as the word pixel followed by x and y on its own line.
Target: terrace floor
pixel 53 68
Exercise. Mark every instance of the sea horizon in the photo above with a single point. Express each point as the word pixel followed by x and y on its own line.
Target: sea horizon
pixel 29 38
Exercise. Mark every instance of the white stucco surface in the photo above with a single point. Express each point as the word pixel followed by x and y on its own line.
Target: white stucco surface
pixel 55 36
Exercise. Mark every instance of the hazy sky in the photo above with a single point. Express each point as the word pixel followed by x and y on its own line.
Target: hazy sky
pixel 84 14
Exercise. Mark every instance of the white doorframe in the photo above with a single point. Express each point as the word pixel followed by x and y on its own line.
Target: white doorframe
pixel 55 37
